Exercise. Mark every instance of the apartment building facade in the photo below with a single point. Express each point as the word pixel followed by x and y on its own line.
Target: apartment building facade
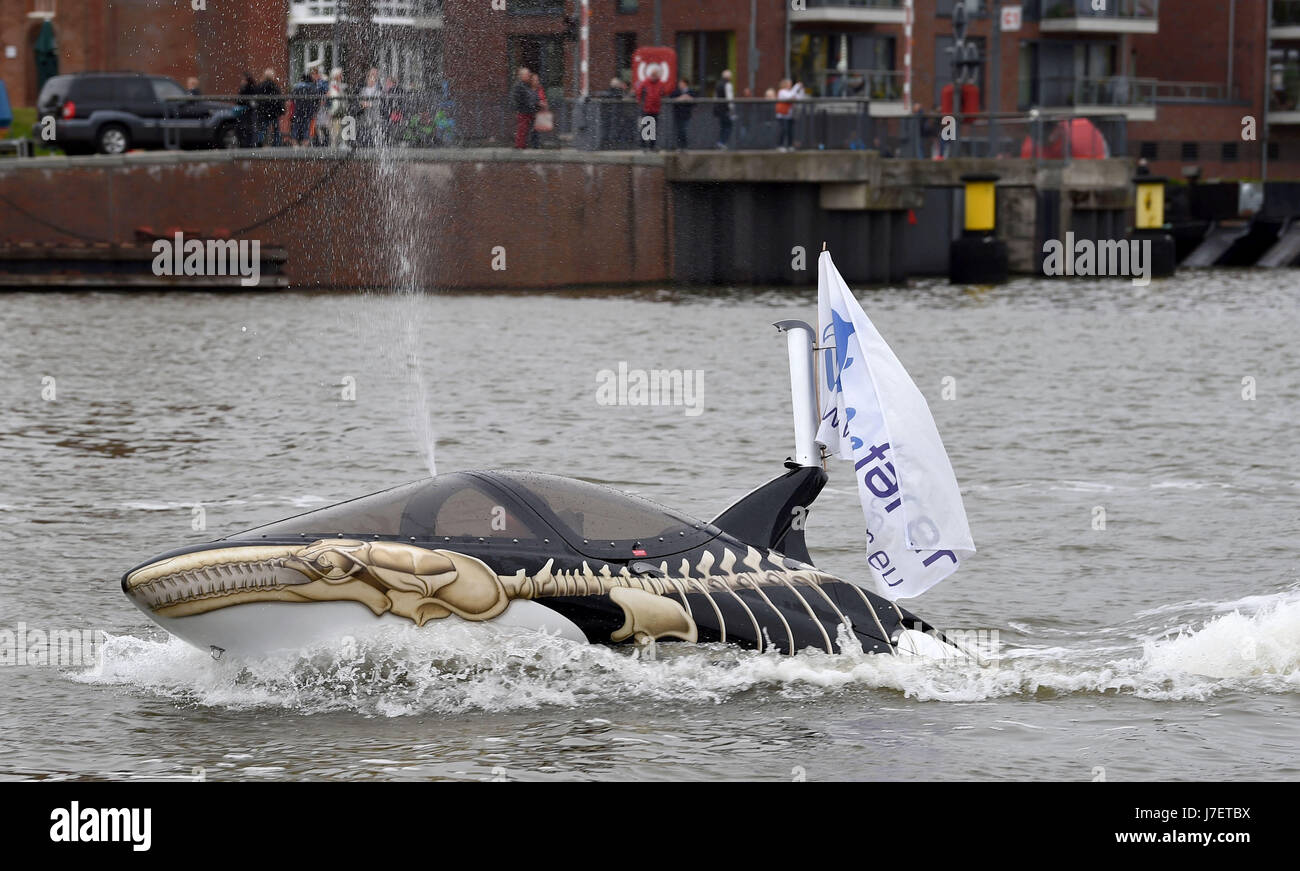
pixel 1186 75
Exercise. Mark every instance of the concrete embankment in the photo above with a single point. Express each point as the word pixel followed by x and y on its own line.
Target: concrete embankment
pixel 465 219
pixel 498 218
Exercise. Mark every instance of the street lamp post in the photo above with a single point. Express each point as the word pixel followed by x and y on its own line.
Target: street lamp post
pixel 995 77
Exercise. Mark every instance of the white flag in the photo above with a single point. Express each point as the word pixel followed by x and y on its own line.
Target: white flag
pixel 874 415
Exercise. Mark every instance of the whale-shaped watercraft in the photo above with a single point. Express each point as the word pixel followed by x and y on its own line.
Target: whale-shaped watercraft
pixel 529 551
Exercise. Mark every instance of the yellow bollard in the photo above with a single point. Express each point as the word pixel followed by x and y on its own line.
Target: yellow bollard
pixel 978 256
pixel 981 202
pixel 1150 202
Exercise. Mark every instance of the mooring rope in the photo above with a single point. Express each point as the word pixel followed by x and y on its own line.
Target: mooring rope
pixel 278 213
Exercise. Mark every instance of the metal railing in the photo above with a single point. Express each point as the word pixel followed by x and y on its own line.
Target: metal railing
pixel 418 120
pixel 1192 92
pixel 306 10
pixel 1132 9
pixel 429 120
pixel 1044 136
pixel 1229 152
pixel 854 4
pixel 1102 91
pixel 749 124
pixel 870 84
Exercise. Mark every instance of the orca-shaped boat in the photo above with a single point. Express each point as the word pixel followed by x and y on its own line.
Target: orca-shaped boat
pixel 530 551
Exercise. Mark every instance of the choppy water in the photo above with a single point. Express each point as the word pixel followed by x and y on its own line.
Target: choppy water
pixel 1166 645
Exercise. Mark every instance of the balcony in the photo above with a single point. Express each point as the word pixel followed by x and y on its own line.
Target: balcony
pixel 1131 97
pixel 883 88
pixel 1284 99
pixel 1119 16
pixel 397 13
pixel 849 12
pixel 1286 20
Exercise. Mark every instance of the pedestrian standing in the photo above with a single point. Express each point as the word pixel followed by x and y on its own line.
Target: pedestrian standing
pixel 270 111
pixel 394 109
pixel 612 130
pixel 725 111
pixel 304 107
pixel 524 100
pixel 683 99
pixel 246 124
pixel 786 95
pixel 370 110
pixel 543 106
pixel 337 101
pixel 321 122
pixel 650 97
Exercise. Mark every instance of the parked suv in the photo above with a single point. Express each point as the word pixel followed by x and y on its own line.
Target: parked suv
pixel 114 112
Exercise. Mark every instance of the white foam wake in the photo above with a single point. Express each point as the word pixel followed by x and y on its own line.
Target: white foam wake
pixel 452 668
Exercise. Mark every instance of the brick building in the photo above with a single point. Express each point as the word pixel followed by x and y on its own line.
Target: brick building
pixel 1183 73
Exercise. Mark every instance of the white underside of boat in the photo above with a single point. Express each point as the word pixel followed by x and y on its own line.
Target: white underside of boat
pixel 913 643
pixel 267 628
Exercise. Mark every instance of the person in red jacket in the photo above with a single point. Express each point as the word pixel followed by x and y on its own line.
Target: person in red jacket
pixel 524 101
pixel 650 95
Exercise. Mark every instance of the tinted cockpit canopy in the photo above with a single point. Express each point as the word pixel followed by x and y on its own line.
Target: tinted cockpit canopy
pixel 515 507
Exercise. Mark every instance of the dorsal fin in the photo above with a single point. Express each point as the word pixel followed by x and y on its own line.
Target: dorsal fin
pixel 766 517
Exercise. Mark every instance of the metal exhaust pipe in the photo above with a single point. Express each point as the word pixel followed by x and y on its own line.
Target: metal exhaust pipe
pixel 803 390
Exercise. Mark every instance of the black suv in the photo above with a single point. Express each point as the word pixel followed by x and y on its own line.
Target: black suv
pixel 114 112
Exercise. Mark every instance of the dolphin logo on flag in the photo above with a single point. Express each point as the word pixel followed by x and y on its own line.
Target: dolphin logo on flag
pixel 874 416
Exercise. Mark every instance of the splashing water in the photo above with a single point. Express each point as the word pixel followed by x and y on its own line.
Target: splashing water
pixel 452 667
pixel 397 328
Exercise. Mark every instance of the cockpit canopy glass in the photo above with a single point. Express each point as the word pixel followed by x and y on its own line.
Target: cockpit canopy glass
pixel 458 505
pixel 515 507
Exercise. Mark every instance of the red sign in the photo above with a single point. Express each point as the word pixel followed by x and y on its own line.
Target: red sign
pixel 657 58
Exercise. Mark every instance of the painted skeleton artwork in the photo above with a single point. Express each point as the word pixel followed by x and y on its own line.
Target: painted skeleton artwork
pixel 423 584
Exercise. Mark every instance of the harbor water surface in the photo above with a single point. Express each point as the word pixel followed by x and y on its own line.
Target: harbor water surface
pixel 1127 457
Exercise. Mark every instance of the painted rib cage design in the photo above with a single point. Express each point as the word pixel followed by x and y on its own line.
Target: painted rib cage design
pixel 760 600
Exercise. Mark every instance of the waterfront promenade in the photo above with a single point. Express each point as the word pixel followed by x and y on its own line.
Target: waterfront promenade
pixel 499 218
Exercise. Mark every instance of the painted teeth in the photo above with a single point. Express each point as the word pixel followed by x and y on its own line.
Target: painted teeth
pixel 197 582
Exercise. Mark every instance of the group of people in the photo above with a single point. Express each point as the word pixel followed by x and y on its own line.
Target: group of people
pixel 318 109
pixel 652 93
pixel 533 115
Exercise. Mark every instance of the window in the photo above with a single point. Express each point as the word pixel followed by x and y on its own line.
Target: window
pixel 405 63
pixel 600 515
pixel 455 505
pixel 702 55
pixel 1229 152
pixel 92 89
pixel 306 55
pixel 536 7
pixel 135 89
pixel 1190 151
pixel 1148 150
pixel 164 88
pixel 471 513
pixel 624 48
pixel 626 7
pixel 1027 93
pixel 974 8
pixel 543 55
pixel 846 65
